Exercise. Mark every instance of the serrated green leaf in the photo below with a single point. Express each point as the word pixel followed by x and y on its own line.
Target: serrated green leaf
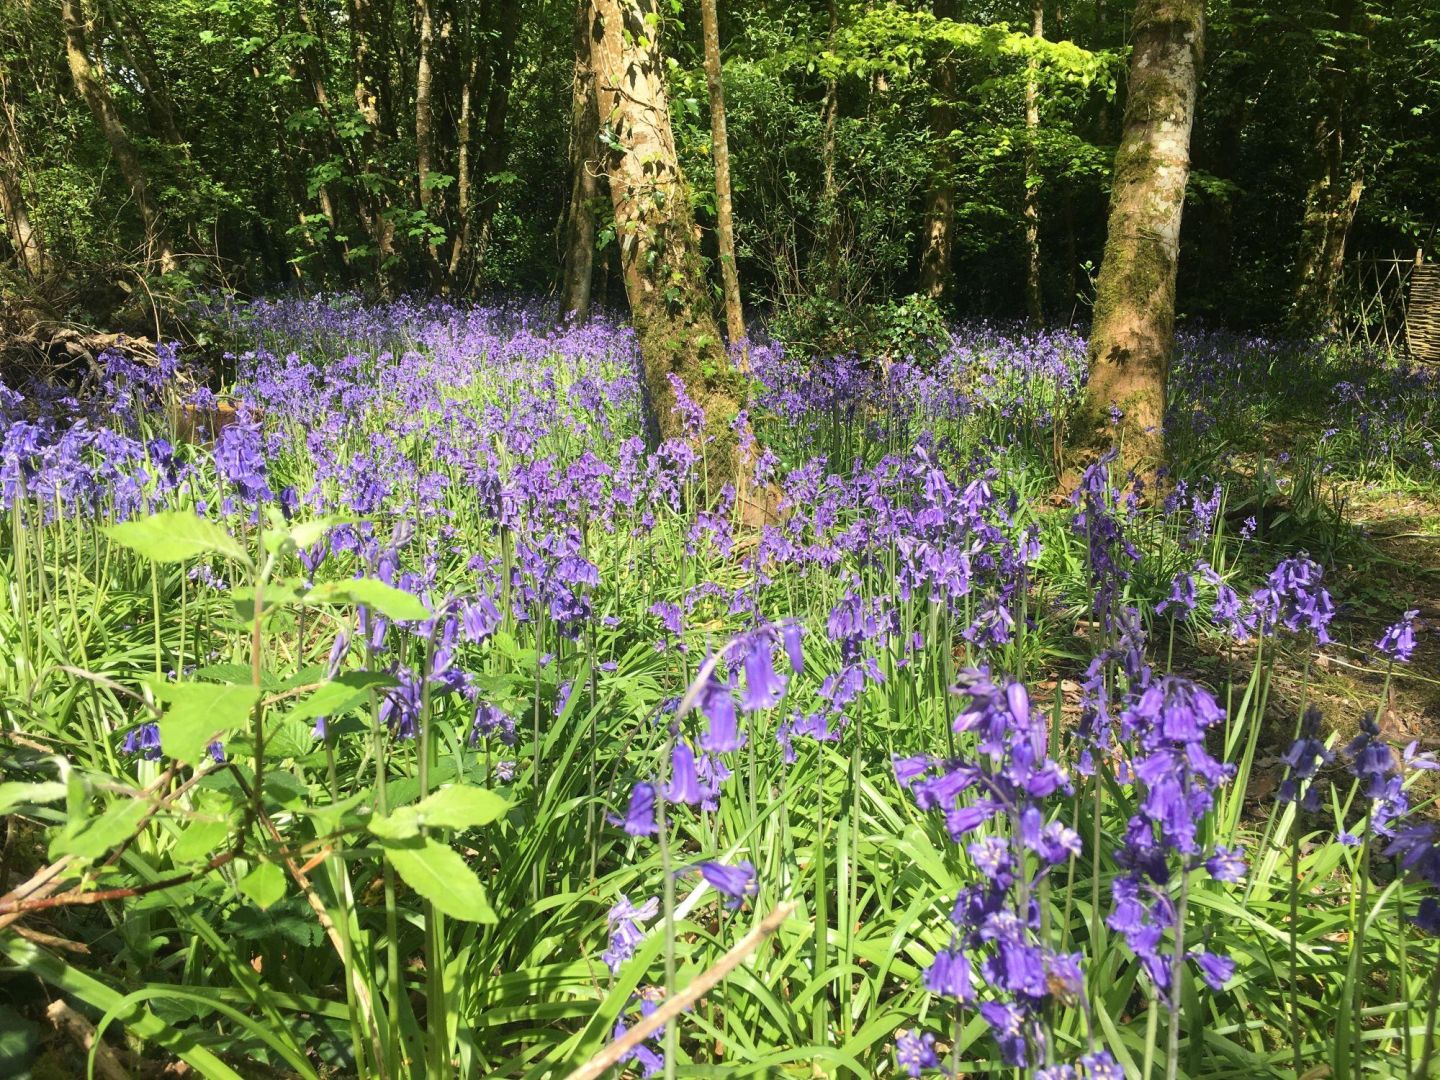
pixel 265 884
pixel 174 536
pixel 440 875
pixel 17 793
pixel 200 712
pixel 389 601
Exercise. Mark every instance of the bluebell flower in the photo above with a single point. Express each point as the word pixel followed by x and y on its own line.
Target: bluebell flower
pixel 915 1052
pixel 734 882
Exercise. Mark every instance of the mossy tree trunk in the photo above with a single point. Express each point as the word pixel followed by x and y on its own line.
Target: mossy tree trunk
pixel 939 228
pixel 577 266
pixel 655 229
pixel 1133 335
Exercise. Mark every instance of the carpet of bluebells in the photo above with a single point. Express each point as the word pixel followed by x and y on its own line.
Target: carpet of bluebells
pixel 381 703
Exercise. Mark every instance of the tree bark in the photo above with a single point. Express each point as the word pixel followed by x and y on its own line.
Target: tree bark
pixel 659 253
pixel 147 70
pixel 424 124
pixel 1133 335
pixel 939 227
pixel 720 150
pixel 25 236
pixel 578 260
pixel 97 97
pixel 1034 295
pixel 464 131
pixel 495 147
pixel 829 196
pixel 369 77
pixel 1333 192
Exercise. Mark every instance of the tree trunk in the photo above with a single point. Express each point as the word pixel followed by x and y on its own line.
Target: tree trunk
pixel 939 227
pixel 369 75
pixel 659 252
pixel 424 124
pixel 1133 335
pixel 147 70
pixel 720 148
pixel 578 261
pixel 1333 192
pixel 26 238
pixel 1034 297
pixel 464 128
pixel 97 97
pixel 503 24
pixel 829 192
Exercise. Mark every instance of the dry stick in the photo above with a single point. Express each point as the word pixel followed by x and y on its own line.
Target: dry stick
pixel 672 1007
pixel 82 1031
pixel 100 896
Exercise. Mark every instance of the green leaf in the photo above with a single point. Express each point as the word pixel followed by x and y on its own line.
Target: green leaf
pixel 391 602
pixel 265 884
pixel 16 793
pixel 440 875
pixel 101 834
pixel 174 536
pixel 198 840
pixel 461 806
pixel 200 712
pixel 341 694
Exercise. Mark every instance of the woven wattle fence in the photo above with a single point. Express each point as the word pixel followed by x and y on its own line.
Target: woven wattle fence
pixel 1422 313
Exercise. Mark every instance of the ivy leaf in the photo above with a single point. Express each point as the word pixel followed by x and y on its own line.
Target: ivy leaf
pixel 389 601
pixel 438 873
pixel 174 536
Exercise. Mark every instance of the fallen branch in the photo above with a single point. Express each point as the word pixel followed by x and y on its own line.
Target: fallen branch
pixel 82 1031
pixel 674 1006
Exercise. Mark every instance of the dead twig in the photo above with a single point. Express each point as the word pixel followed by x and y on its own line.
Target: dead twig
pixel 673 1007
pixel 70 1022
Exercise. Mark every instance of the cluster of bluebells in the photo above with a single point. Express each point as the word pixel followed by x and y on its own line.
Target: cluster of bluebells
pixel 993 801
pixel 1175 780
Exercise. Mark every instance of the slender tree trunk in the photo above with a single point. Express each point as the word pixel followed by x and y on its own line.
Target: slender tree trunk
pixel 1333 192
pixel 460 243
pixel 1034 296
pixel 578 261
pixel 24 237
pixel 496 145
pixel 147 70
pixel 659 252
pixel 424 124
pixel 369 75
pixel 1133 335
pixel 829 195
pixel 312 77
pixel 97 97
pixel 720 149
pixel 939 227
